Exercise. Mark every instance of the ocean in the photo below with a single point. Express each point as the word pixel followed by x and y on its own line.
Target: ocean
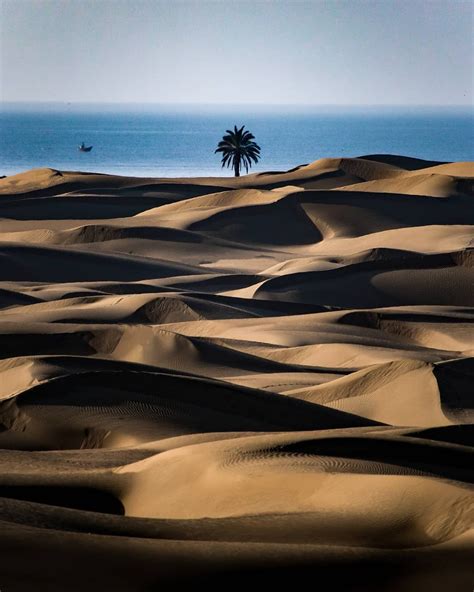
pixel 164 141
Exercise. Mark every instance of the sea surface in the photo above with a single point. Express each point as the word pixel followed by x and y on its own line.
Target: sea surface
pixel 164 141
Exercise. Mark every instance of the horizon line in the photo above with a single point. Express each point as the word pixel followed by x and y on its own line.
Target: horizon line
pixel 216 104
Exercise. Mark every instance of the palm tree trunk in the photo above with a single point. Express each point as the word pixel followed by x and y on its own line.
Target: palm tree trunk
pixel 237 167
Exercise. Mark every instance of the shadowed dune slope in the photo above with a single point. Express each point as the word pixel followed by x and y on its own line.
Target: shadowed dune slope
pixel 260 378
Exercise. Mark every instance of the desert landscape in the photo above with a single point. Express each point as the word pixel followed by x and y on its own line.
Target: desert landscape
pixel 238 380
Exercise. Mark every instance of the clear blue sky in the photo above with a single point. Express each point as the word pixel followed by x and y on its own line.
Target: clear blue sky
pixel 351 52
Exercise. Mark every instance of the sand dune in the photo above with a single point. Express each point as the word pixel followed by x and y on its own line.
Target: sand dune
pixel 266 377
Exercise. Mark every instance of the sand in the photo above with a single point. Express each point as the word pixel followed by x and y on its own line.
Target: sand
pixel 242 381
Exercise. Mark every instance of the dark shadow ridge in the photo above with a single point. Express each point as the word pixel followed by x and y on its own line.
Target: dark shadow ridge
pixel 12 298
pixel 53 205
pixel 76 498
pixel 455 379
pixel 182 190
pixel 362 577
pixel 26 344
pixel 442 460
pixel 234 407
pixel 453 434
pixel 57 264
pixel 405 162
pixel 377 320
pixel 338 574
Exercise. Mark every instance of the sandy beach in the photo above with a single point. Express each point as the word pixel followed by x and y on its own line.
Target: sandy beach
pixel 238 380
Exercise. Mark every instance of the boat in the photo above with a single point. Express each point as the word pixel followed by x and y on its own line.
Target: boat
pixel 84 148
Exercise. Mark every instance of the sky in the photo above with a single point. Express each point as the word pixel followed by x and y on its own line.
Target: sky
pixel 332 52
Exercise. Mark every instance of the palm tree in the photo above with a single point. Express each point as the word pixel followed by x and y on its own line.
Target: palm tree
pixel 238 148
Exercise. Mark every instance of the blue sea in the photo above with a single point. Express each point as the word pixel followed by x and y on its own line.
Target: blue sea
pixel 165 141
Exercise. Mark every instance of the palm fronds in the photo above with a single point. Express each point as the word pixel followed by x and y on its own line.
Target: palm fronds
pixel 238 149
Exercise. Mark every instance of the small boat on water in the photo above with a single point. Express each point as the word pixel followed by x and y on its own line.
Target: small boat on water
pixel 84 148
